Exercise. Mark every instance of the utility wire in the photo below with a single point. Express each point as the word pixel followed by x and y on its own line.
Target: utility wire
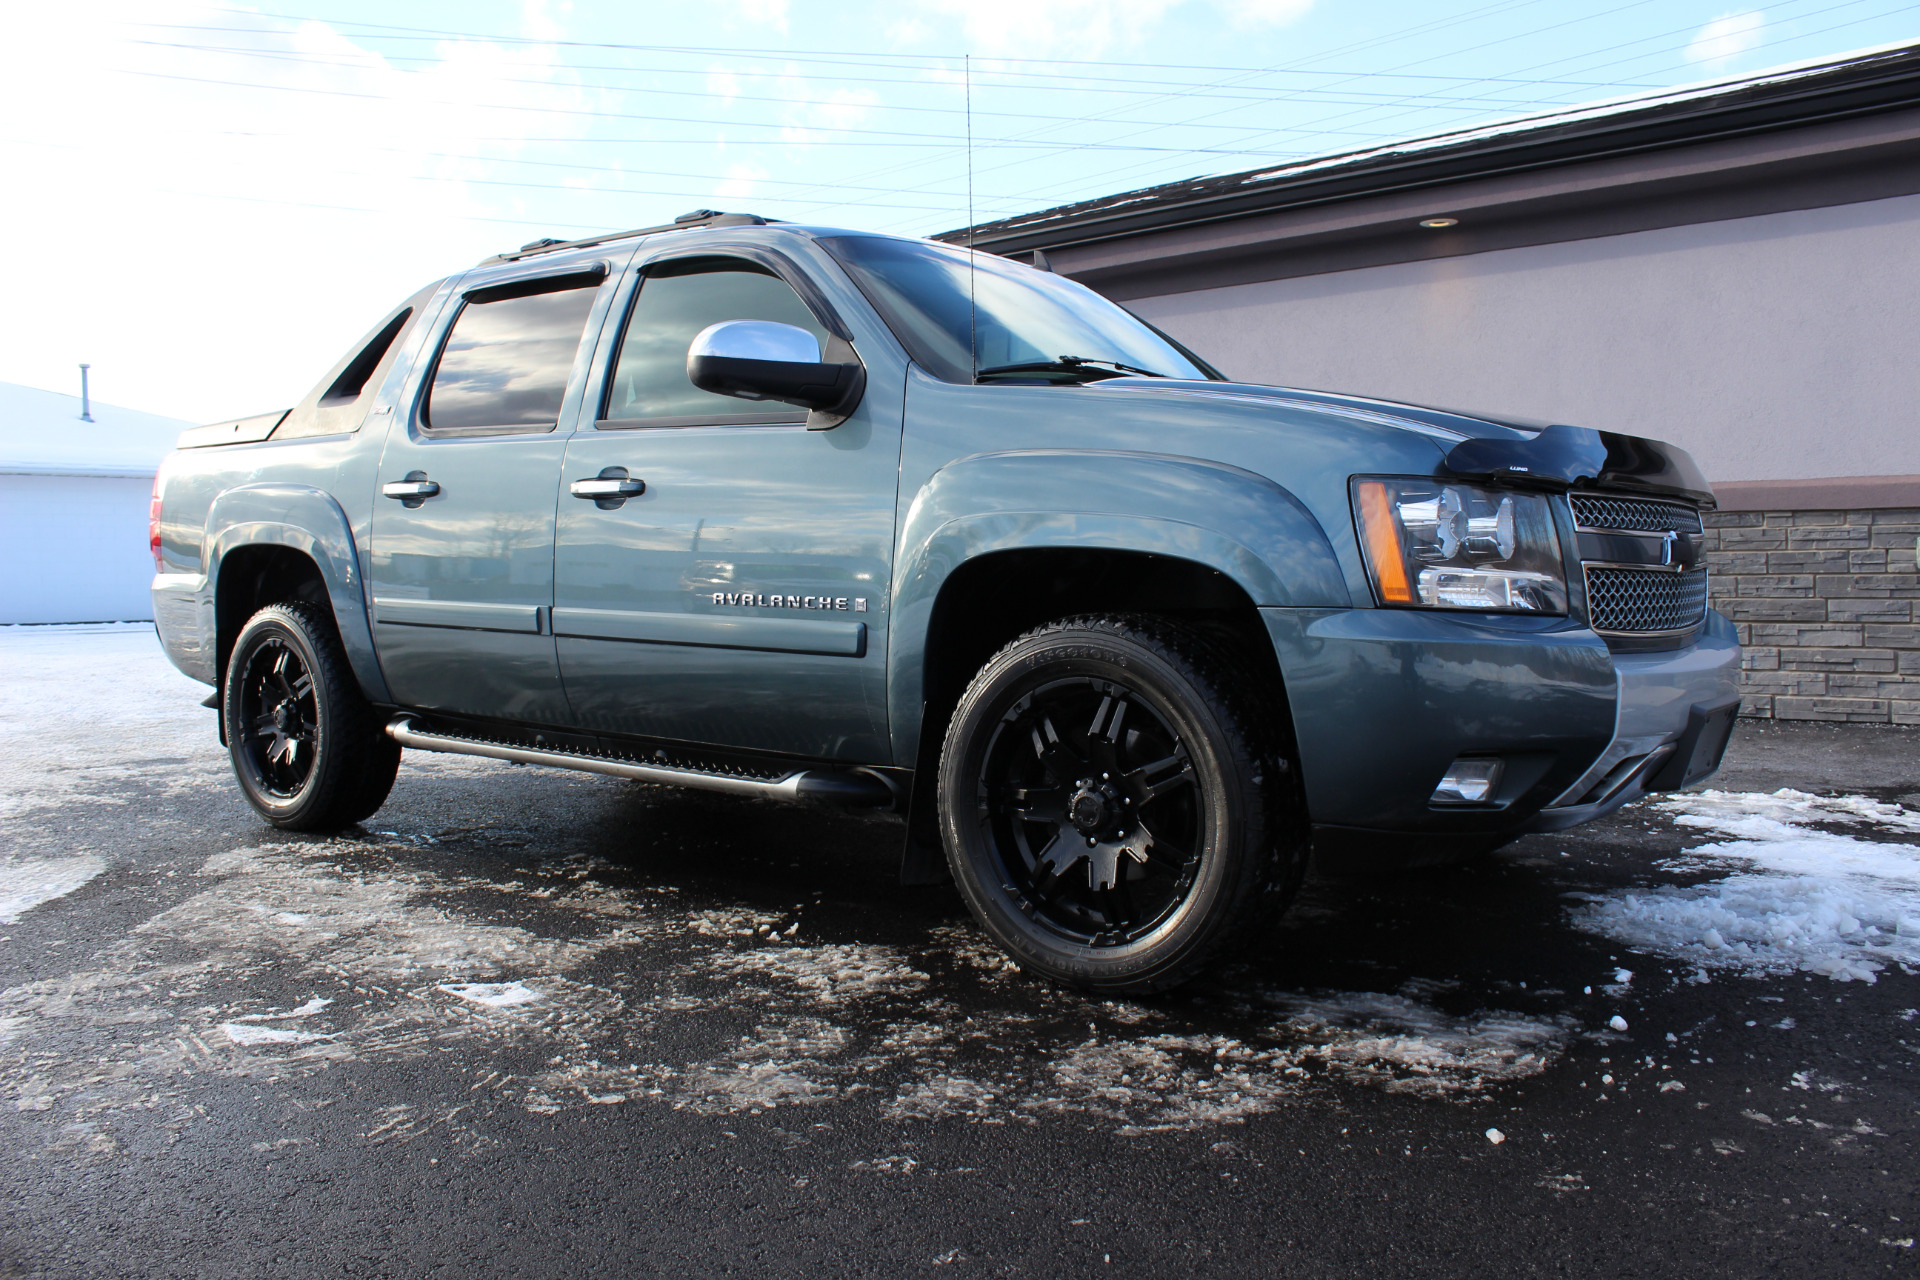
pixel 828 56
pixel 1353 97
pixel 926 139
pixel 1349 116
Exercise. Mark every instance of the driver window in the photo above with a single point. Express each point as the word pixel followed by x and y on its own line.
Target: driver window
pixel 675 302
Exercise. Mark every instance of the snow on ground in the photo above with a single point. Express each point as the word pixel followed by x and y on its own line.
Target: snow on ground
pixel 288 959
pixel 25 883
pixel 83 708
pixel 1795 897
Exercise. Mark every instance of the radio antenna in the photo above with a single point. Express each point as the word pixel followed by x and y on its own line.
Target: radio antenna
pixel 973 313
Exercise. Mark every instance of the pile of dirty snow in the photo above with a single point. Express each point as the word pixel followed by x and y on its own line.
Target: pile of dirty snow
pixel 1798 898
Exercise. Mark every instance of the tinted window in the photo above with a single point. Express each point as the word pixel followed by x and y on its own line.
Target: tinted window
pixel 953 310
pixel 353 379
pixel 676 301
pixel 507 360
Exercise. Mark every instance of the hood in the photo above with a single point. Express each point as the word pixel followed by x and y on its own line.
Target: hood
pixel 1483 447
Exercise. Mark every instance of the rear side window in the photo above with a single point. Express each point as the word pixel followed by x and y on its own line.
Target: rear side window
pixel 353 379
pixel 507 359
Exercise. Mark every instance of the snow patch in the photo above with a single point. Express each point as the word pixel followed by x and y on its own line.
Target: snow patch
pixel 1797 898
pixel 494 995
pixel 1405 1046
pixel 940 1096
pixel 25 883
pixel 306 1010
pixel 67 733
pixel 251 1033
pixel 829 973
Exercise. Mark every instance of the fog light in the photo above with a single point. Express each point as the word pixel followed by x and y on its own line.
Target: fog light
pixel 1469 780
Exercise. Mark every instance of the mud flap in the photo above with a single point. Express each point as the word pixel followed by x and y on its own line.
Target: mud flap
pixel 923 858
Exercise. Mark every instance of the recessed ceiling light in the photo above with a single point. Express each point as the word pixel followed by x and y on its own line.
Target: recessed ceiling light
pixel 1437 223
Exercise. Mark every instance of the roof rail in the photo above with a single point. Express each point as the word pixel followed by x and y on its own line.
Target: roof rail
pixel 698 218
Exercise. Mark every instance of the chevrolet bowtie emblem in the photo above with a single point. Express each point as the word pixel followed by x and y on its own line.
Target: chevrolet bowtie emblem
pixel 1666 546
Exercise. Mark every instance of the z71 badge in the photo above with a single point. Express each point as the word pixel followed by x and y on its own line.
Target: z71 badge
pixel 748 600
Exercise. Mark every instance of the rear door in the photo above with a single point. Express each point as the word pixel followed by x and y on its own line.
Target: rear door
pixel 462 570
pixel 740 600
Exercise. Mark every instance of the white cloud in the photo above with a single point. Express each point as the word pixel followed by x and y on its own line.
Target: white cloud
pixel 724 84
pixel 1728 36
pixel 1264 13
pixel 740 183
pixel 1089 26
pixel 763 14
pixel 211 247
pixel 811 110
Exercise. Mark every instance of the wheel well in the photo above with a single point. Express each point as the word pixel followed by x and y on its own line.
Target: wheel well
pixel 252 578
pixel 991 599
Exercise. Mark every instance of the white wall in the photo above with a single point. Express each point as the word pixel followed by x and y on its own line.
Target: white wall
pixel 75 549
pixel 1775 347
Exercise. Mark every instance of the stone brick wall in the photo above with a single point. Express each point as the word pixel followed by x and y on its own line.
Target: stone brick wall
pixel 1828 606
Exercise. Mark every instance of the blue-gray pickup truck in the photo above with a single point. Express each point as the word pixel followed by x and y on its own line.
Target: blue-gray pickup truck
pixel 825 516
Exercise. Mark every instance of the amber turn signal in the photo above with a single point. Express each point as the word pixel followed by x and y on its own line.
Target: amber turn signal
pixel 1383 543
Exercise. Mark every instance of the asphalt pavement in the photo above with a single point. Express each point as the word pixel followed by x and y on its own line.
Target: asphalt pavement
pixel 529 1023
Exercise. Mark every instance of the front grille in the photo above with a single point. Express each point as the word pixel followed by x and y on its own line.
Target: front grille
pixel 1643 515
pixel 1638 601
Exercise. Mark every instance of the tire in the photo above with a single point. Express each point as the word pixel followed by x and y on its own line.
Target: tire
pixel 1110 810
pixel 307 748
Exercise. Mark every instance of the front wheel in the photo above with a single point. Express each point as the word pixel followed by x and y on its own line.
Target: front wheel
pixel 1110 810
pixel 306 747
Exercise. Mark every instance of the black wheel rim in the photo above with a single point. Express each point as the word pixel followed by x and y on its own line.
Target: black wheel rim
pixel 1090 807
pixel 278 718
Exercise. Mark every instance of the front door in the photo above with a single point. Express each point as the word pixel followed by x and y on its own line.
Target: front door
pixel 463 527
pixel 740 600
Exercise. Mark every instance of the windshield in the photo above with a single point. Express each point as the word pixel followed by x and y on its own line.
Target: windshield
pixel 1019 316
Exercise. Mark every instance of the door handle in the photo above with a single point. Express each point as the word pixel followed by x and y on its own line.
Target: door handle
pixel 413 490
pixel 609 489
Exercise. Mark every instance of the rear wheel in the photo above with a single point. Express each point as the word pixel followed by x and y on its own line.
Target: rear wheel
pixel 306 746
pixel 1109 811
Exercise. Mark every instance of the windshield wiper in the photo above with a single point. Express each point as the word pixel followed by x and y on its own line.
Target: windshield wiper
pixel 1086 365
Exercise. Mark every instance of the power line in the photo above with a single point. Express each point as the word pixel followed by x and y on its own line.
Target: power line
pixel 1422 29
pixel 1355 98
pixel 826 56
pixel 1324 121
pixel 1045 80
pixel 1349 116
pixel 922 139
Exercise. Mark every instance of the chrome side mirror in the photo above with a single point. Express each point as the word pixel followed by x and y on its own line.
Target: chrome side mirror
pixel 765 360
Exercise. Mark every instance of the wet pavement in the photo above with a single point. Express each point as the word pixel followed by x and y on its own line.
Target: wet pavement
pixel 533 1023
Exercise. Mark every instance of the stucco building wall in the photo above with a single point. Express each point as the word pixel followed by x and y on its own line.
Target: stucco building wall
pixel 1773 347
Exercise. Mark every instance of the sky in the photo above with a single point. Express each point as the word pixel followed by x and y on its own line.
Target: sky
pixel 209 202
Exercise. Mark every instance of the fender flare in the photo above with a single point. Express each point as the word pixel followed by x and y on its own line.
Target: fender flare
pixel 311 521
pixel 1243 525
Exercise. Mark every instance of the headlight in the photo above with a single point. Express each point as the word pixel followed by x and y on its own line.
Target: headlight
pixel 1434 545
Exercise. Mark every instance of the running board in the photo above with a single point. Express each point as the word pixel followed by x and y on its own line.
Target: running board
pixel 853 788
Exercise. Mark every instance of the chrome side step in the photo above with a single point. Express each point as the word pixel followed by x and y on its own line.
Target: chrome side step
pixel 854 788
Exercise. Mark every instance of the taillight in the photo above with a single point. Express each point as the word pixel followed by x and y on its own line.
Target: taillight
pixel 153 528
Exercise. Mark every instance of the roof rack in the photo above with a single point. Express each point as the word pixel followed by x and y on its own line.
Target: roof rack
pixel 698 218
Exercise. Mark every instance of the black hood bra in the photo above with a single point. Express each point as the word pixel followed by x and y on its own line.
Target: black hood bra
pixel 1580 457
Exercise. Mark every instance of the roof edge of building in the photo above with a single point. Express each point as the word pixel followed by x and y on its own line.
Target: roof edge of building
pixel 1886 78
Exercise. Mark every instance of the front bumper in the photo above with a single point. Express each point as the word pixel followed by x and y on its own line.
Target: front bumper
pixel 1383 700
